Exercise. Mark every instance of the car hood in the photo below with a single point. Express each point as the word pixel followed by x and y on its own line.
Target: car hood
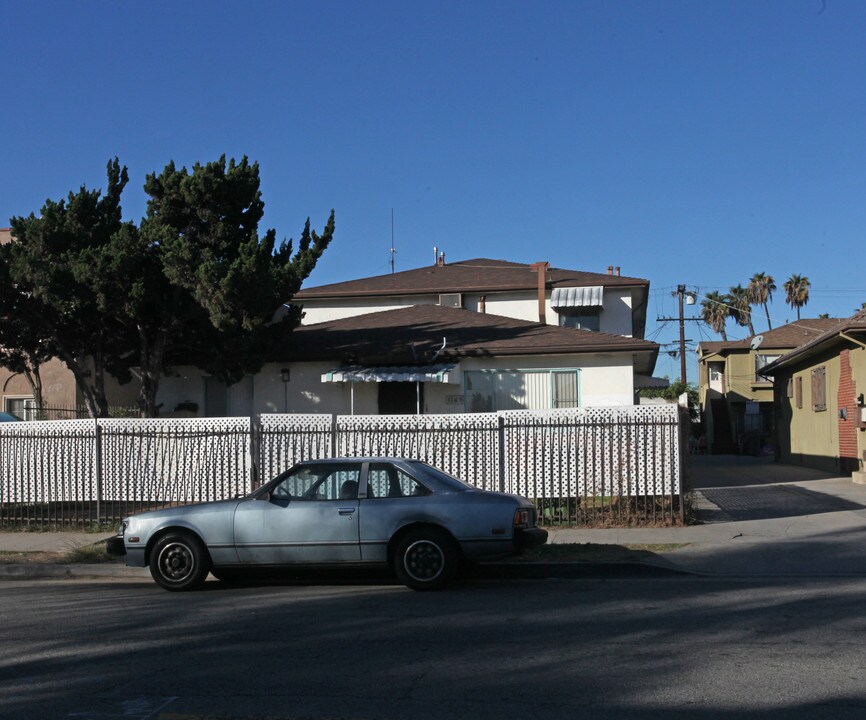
pixel 188 510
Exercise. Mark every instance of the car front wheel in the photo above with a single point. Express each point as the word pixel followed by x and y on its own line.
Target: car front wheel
pixel 179 561
pixel 426 560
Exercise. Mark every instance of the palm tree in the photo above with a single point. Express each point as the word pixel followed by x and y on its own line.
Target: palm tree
pixel 739 307
pixel 796 290
pixel 714 311
pixel 760 290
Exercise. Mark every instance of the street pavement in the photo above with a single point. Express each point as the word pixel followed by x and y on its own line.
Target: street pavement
pixel 758 519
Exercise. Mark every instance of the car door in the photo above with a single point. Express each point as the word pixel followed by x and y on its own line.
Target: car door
pixel 393 498
pixel 310 516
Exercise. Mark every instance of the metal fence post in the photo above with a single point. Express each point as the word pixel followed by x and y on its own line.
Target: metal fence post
pixel 333 435
pixel 500 439
pixel 97 461
pixel 255 448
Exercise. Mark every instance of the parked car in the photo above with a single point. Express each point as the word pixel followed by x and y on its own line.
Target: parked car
pixel 9 417
pixel 404 513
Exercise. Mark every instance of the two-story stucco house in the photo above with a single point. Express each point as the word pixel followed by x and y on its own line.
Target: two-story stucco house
pixel 470 336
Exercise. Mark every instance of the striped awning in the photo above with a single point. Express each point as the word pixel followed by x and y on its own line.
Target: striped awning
pixel 410 373
pixel 577 297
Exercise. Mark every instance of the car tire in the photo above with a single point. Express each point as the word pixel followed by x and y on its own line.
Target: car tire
pixel 179 561
pixel 426 559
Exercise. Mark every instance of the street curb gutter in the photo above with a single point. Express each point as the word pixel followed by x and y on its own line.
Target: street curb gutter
pixel 482 571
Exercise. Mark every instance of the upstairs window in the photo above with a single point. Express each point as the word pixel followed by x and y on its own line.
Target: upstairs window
pixel 761 361
pixel 585 318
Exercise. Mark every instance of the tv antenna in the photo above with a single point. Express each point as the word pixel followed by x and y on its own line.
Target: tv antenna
pixel 393 249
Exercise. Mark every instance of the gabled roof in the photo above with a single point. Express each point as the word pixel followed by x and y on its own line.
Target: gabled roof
pixel 785 337
pixel 414 335
pixel 839 333
pixel 478 275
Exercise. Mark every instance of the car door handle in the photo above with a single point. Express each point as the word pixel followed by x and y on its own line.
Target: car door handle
pixel 346 511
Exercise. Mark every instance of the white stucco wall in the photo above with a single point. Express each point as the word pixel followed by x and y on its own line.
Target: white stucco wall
pixel 605 380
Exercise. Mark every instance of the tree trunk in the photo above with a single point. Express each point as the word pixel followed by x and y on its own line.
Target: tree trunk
pixel 767 310
pixel 152 357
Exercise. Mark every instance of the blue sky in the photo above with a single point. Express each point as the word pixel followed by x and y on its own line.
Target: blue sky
pixel 687 142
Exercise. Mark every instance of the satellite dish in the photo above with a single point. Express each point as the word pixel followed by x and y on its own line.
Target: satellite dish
pixel 756 341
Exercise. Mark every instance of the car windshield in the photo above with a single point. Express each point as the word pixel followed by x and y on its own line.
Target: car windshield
pixel 443 477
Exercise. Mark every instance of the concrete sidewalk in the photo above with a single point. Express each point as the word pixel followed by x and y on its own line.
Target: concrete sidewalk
pixel 759 519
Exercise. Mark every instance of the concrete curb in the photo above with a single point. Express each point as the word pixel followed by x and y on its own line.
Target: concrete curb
pixel 483 571
pixel 52 571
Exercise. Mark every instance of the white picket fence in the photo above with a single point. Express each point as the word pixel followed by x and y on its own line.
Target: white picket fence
pixel 89 470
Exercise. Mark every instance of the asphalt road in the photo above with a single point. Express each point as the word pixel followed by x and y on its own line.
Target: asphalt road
pixel 673 648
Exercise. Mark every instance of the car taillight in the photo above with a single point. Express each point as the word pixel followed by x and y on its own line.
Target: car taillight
pixel 521 518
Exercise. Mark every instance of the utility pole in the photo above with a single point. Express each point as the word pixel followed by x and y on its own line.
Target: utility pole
pixel 681 292
pixel 683 297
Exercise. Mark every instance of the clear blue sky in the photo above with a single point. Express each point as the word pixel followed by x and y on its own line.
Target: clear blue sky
pixel 687 142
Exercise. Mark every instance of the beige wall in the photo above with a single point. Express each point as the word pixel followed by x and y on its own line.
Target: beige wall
pixel 810 437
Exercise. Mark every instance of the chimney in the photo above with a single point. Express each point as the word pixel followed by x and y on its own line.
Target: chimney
pixel 616 269
pixel 610 269
pixel 440 261
pixel 482 304
pixel 541 269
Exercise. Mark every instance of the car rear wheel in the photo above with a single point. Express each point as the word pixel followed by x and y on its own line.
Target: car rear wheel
pixel 426 559
pixel 179 561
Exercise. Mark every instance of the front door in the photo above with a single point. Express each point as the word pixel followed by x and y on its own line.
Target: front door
pixel 400 398
pixel 310 517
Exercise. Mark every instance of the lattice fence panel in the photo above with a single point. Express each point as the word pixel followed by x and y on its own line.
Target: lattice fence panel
pixel 45 467
pixel 463 445
pixel 287 439
pixel 622 451
pixel 173 461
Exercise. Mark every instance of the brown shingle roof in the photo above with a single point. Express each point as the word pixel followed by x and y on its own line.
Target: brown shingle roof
pixel 478 275
pixel 414 334
pixel 785 337
pixel 854 324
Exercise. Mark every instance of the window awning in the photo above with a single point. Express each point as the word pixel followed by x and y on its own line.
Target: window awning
pixel 440 373
pixel 577 297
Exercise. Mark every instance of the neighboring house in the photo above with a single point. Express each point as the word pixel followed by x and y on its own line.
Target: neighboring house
pixel 59 390
pixel 736 400
pixel 819 394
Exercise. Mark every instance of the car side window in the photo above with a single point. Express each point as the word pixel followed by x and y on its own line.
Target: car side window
pixel 387 481
pixel 319 482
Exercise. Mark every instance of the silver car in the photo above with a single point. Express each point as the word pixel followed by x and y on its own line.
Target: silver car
pixel 403 513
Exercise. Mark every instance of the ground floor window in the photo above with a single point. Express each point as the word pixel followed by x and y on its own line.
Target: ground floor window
pixel 491 390
pixel 24 408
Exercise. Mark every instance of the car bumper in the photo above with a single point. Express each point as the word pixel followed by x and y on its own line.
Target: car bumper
pixel 114 545
pixel 530 538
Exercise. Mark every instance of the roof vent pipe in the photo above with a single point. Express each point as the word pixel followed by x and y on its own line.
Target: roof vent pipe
pixel 435 255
